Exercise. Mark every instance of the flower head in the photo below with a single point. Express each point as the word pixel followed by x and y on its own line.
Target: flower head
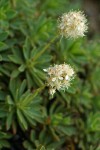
pixel 59 77
pixel 73 24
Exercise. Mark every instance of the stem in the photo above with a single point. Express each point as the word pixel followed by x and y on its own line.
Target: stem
pixel 13 2
pixel 41 88
pixel 45 48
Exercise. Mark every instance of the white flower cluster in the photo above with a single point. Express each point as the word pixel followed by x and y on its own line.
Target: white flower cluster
pixel 72 24
pixel 59 77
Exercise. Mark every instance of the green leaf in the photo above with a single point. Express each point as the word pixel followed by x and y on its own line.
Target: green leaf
pixel 3 46
pixel 94 122
pixel 26 49
pixel 11 14
pixel 22 87
pixel 12 86
pixel 34 115
pixel 67 130
pixel 29 98
pixel 17 56
pixel 2 95
pixel 22 120
pixel 42 148
pixel 4 135
pixel 4 143
pixel 3 36
pixel 3 113
pixel 15 73
pixel 22 68
pixel 29 79
pixel 9 119
pixel 29 118
pixel 28 145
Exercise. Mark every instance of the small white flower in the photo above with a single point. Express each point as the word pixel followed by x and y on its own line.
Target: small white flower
pixel 59 77
pixel 45 70
pixel 53 79
pixel 73 24
pixel 67 77
pixel 52 91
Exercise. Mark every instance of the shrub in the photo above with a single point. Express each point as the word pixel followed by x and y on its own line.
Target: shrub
pixel 29 117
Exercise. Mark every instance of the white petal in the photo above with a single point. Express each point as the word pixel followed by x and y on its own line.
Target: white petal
pixel 67 77
pixel 52 91
pixel 53 79
pixel 60 78
pixel 45 70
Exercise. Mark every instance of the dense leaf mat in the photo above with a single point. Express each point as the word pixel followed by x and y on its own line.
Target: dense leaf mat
pixel 29 118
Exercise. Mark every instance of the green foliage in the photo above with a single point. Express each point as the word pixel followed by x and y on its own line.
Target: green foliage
pixel 3 140
pixel 29 117
pixel 26 105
